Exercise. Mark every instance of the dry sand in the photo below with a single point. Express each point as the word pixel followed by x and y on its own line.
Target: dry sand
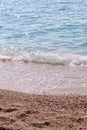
pixel 19 111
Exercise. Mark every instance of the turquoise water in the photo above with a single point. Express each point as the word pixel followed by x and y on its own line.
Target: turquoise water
pixel 47 31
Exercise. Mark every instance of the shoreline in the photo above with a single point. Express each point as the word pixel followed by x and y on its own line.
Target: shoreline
pixel 21 111
pixel 43 79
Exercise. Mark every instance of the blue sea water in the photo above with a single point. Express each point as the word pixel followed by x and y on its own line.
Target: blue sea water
pixel 47 31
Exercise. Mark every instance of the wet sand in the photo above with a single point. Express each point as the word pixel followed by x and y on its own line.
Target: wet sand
pixel 21 111
pixel 43 78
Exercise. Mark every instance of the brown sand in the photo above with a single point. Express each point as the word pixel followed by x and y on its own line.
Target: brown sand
pixel 19 111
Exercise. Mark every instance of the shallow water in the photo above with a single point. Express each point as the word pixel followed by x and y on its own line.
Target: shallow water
pixel 44 31
pixel 43 46
pixel 43 79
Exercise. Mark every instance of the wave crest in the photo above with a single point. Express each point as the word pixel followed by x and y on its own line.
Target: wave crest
pixel 47 58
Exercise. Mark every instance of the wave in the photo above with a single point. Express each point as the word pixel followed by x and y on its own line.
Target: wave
pixel 47 58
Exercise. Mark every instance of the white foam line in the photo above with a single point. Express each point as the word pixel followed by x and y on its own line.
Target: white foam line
pixel 48 58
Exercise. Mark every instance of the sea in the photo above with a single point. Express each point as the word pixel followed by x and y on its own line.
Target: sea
pixel 43 46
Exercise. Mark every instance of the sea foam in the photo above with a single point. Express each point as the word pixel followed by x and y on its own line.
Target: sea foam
pixel 47 58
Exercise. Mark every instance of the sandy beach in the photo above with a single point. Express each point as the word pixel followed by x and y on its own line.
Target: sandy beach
pixel 42 97
pixel 21 111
